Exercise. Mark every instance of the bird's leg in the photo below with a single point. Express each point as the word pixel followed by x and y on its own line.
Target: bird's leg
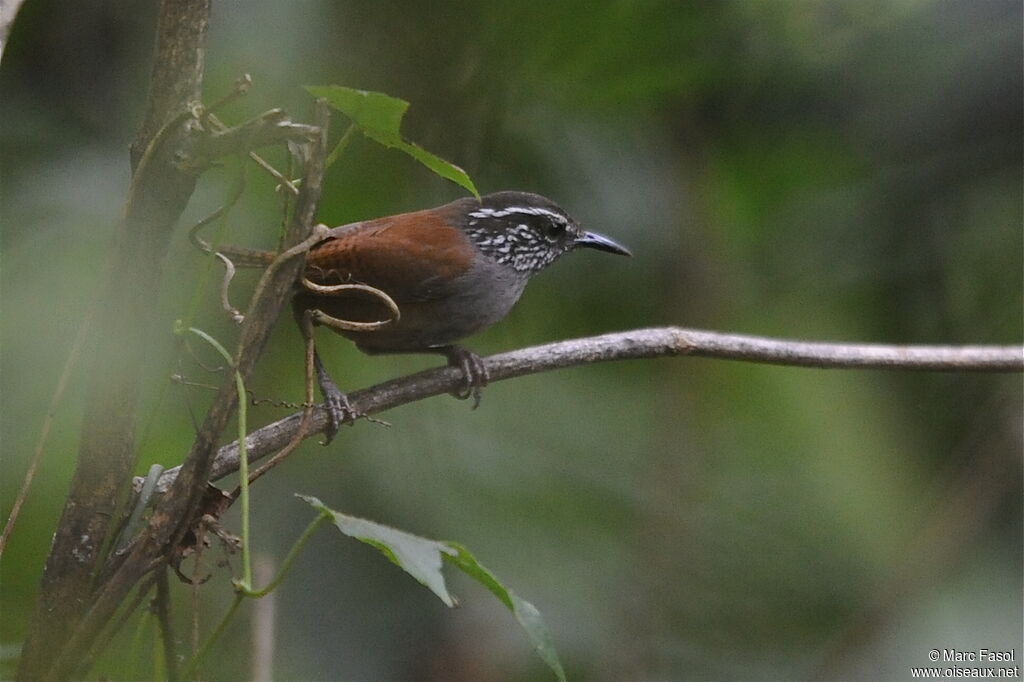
pixel 339 408
pixel 337 403
pixel 473 370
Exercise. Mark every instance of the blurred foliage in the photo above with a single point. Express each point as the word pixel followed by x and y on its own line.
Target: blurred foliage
pixel 820 169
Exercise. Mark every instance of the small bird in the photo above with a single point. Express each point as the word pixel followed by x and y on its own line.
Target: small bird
pixel 453 271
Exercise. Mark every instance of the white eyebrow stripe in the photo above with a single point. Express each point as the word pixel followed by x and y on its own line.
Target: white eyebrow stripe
pixel 523 210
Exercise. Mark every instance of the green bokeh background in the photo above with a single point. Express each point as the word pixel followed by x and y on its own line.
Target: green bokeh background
pixel 819 170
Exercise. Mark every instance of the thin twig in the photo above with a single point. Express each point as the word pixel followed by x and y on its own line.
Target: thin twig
pixel 639 343
pixel 163 615
pixel 196 584
pixel 307 414
pixel 229 274
pixel 270 582
pixel 235 193
pixel 176 512
pixel 269 128
pixel 260 161
pixel 193 666
pixel 44 433
pixel 239 88
pixel 111 631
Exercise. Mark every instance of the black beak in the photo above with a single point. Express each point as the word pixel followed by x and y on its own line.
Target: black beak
pixel 593 240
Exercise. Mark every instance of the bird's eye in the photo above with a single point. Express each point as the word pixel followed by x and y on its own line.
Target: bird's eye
pixel 555 230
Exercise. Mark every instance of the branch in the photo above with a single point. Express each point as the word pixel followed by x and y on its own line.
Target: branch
pixel 636 344
pixel 267 129
pixel 117 348
pixel 175 513
pixel 270 296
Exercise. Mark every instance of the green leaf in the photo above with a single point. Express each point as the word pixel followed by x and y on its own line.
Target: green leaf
pixel 422 559
pixel 525 612
pixel 372 111
pixel 379 116
pixel 419 557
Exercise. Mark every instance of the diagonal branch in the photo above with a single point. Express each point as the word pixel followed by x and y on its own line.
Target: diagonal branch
pixel 176 511
pixel 635 344
pixel 269 128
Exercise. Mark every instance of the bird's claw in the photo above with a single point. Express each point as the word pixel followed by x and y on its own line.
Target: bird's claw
pixel 339 408
pixel 339 412
pixel 474 373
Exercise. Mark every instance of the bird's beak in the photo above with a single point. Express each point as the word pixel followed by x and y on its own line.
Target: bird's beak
pixel 593 240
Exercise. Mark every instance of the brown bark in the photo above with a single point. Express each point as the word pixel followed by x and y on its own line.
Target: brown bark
pixel 106 456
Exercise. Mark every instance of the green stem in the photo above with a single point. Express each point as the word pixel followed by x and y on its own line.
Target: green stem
pixel 243 591
pixel 290 558
pixel 137 644
pixel 199 293
pixel 214 636
pixel 210 340
pixel 339 148
pixel 243 472
pixel 243 587
pixel 245 584
pixel 159 663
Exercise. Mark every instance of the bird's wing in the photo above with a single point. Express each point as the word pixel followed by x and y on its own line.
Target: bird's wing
pixel 412 257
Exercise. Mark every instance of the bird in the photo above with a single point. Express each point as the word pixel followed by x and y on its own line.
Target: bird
pixel 452 271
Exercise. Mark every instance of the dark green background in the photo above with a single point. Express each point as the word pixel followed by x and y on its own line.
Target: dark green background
pixel 820 170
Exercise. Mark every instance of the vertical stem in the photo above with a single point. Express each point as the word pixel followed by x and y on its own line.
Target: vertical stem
pixel 118 350
pixel 289 559
pixel 163 613
pixel 177 511
pixel 190 671
pixel 263 625
pixel 136 646
pixel 243 469
pixel 44 434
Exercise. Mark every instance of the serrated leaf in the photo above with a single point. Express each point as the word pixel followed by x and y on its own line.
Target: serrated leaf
pixel 422 559
pixel 525 612
pixel 379 116
pixel 417 556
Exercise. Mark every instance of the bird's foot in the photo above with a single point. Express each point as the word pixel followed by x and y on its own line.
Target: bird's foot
pixel 339 412
pixel 339 409
pixel 474 373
